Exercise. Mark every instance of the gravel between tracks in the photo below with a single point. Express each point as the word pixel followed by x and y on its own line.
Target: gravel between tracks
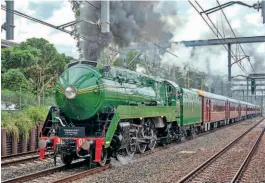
pixel 225 166
pixel 171 164
pixel 58 175
pixel 27 168
pixel 255 171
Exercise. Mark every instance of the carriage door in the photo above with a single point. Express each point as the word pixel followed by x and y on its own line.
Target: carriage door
pixel 227 110
pixel 207 110
pixel 239 110
pixel 171 95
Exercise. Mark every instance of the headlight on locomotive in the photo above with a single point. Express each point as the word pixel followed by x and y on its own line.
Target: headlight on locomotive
pixel 70 92
pixel 85 145
pixel 42 144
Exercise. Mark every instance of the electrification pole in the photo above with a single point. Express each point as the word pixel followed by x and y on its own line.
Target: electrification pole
pixel 247 89
pixel 10 20
pixel 262 107
pixel 105 16
pixel 229 69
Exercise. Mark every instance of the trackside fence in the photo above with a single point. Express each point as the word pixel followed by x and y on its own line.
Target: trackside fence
pixel 11 144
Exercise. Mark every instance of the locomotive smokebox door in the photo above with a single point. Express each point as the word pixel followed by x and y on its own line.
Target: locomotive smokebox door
pixel 78 132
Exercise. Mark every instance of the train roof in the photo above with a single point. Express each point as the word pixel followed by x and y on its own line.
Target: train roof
pixel 190 91
pixel 243 102
pixel 220 97
pixel 251 105
pixel 210 95
pixel 173 83
pixel 233 100
pixel 246 103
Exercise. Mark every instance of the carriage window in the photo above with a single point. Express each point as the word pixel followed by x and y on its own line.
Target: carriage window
pixel 169 89
pixel 91 63
pixel 72 64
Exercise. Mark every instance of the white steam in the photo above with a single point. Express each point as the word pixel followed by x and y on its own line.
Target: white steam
pixel 190 26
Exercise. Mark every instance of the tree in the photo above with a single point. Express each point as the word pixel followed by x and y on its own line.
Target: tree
pixel 14 79
pixel 38 60
pixel 20 56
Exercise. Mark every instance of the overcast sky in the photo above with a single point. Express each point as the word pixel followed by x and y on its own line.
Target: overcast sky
pixel 54 12
pixel 188 25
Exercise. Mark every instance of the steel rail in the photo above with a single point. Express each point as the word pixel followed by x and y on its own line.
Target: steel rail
pixel 38 174
pixel 16 161
pixel 80 175
pixel 216 155
pixel 83 174
pixel 18 154
pixel 248 158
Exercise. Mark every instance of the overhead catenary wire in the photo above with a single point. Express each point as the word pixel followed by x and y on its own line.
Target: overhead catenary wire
pixel 234 34
pixel 158 46
pixel 235 37
pixel 92 5
pixel 237 48
pixel 142 36
pixel 3 7
pixel 217 34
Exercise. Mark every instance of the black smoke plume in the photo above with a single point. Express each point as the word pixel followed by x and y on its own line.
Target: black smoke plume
pixel 130 21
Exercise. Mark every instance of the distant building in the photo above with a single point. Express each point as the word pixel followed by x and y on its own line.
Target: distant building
pixel 8 107
pixel 7 43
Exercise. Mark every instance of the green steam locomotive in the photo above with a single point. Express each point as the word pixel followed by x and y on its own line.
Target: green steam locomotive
pixel 113 112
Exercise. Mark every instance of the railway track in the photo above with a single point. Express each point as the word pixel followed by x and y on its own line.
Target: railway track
pixel 228 165
pixel 16 159
pixel 254 169
pixel 18 155
pixel 60 174
pixel 79 170
pixel 19 160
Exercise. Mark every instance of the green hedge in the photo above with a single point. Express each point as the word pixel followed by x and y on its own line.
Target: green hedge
pixel 23 121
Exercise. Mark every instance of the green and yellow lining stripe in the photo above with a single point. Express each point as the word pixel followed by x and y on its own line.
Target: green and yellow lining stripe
pixel 102 86
pixel 90 89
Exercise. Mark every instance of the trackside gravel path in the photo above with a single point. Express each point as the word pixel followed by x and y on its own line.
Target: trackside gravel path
pixel 171 164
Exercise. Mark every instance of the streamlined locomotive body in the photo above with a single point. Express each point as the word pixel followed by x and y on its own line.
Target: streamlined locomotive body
pixel 113 112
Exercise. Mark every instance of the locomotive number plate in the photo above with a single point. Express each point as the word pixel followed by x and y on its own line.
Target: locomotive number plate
pixel 72 132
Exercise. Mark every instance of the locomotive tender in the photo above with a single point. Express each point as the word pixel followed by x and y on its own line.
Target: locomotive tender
pixel 103 113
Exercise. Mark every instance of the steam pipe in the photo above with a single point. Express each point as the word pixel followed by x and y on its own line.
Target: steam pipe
pixel 60 120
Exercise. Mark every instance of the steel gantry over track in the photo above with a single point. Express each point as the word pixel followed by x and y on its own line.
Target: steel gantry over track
pixel 208 42
pixel 258 78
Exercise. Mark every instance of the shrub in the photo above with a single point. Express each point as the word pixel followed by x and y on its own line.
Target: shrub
pixel 9 123
pixel 23 121
pixel 36 114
